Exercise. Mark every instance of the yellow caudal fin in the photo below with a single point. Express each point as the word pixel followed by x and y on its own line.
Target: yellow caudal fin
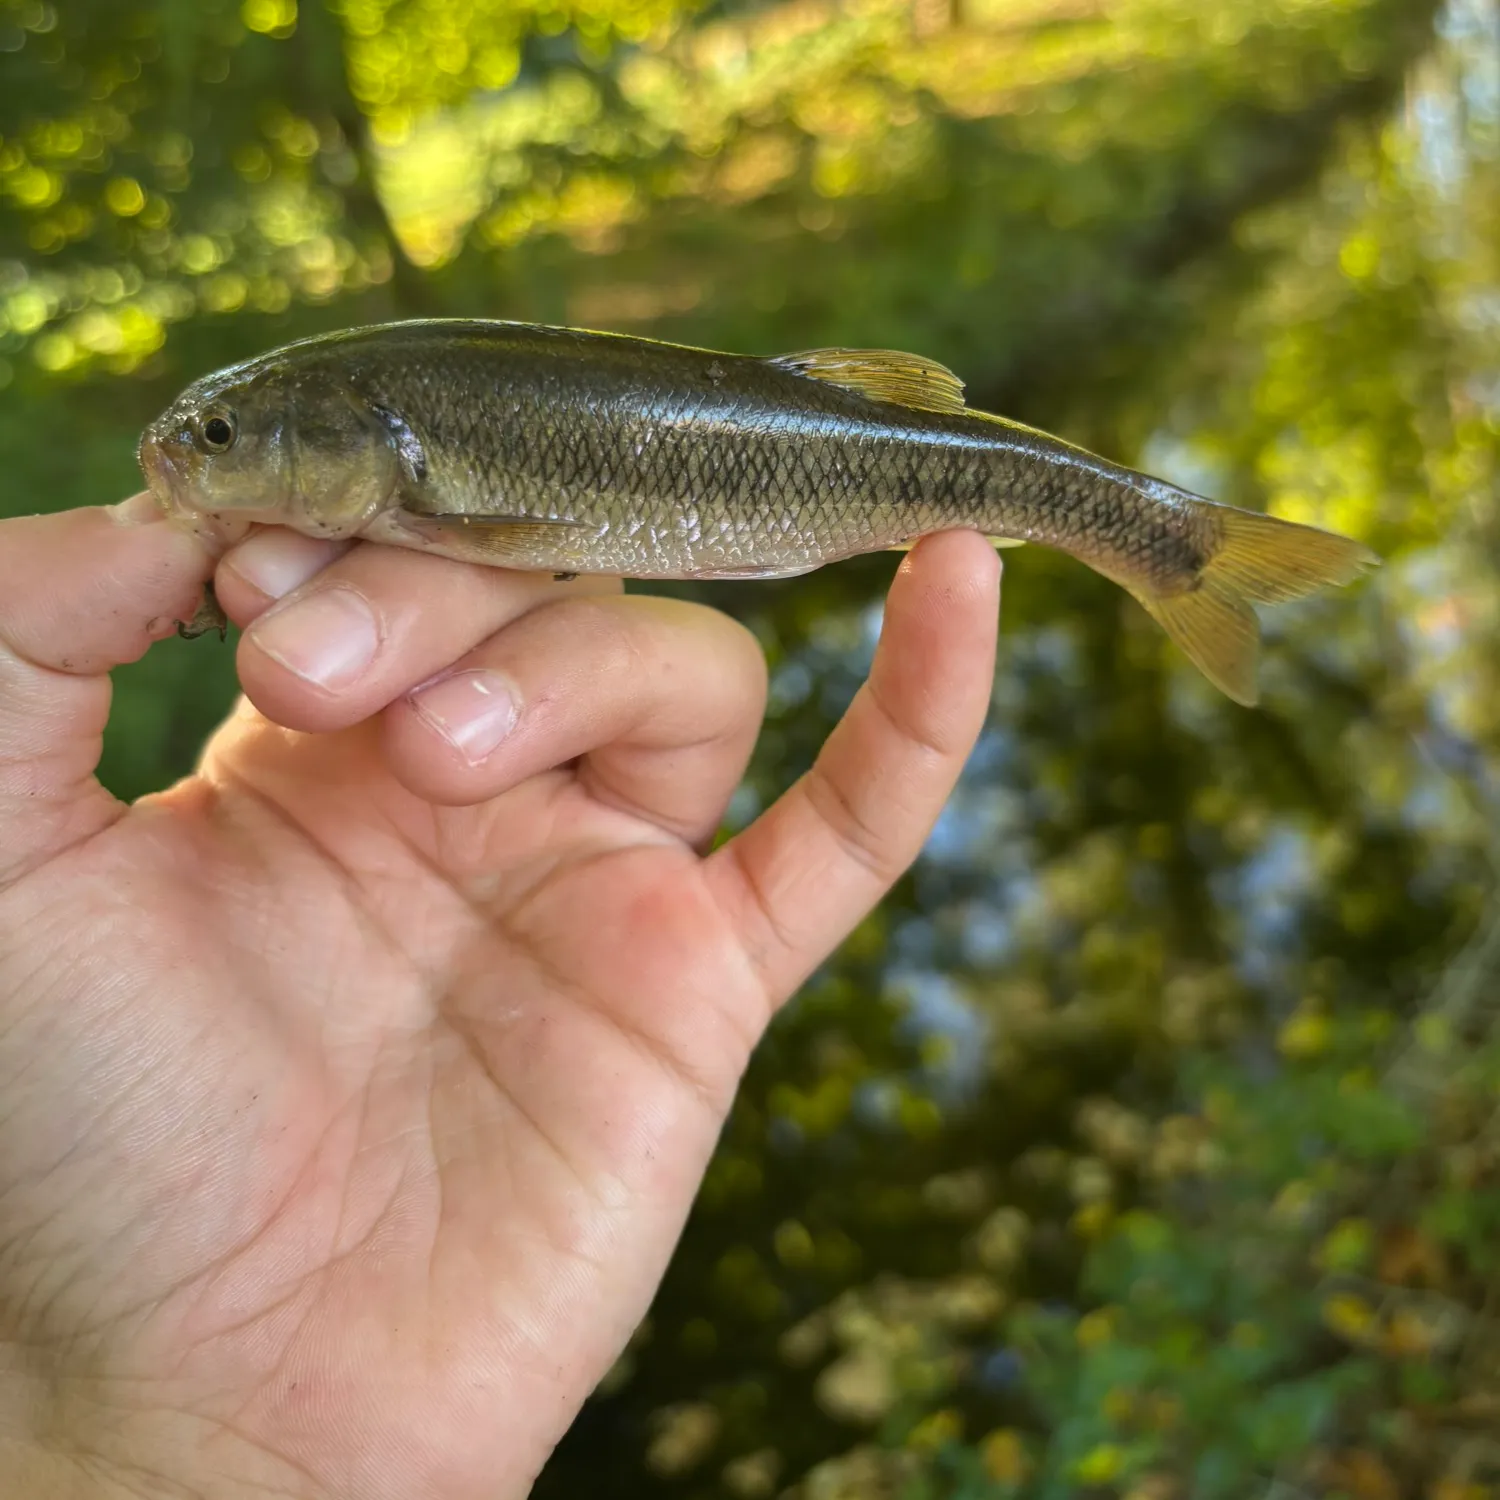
pixel 1258 559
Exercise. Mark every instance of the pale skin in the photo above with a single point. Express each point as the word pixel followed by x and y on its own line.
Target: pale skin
pixel 353 1092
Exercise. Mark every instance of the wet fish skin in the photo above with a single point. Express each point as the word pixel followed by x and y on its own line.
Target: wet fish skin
pixel 678 462
pixel 573 452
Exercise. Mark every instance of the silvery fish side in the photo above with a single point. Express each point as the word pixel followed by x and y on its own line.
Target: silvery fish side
pixel 572 452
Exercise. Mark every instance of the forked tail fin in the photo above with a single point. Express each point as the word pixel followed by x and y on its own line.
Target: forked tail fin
pixel 1258 559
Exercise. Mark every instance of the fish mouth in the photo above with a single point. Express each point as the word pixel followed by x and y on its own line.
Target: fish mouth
pixel 163 476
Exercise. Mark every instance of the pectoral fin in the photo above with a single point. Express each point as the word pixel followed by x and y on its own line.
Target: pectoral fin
pixel 497 541
pixel 882 375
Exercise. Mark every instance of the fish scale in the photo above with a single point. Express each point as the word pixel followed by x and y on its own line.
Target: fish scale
pixel 554 449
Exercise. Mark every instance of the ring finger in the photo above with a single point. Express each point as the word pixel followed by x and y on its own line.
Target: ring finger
pixel 659 700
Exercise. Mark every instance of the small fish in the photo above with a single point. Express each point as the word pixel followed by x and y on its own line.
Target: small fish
pixel 568 452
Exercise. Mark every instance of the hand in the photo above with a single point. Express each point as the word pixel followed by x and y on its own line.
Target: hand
pixel 353 1092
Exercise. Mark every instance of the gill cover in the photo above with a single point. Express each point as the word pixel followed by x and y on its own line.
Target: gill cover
pixel 344 459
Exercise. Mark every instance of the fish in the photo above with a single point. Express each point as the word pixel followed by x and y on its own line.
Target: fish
pixel 569 451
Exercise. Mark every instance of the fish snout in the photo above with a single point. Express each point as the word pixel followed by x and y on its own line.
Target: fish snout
pixel 160 458
pixel 168 460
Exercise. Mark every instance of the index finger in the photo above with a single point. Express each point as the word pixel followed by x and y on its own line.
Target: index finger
pixel 798 880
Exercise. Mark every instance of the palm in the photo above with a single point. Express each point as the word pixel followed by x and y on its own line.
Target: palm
pixel 375 1121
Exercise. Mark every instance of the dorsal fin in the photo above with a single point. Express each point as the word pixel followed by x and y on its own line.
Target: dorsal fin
pixel 882 375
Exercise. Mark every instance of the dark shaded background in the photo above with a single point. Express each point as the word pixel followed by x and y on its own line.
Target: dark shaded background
pixel 1147 1141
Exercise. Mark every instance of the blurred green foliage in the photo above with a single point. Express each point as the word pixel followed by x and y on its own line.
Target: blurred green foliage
pixel 1146 1143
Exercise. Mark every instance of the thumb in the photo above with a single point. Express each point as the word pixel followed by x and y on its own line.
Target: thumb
pixel 80 592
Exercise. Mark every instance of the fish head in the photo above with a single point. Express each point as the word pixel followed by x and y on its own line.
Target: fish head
pixel 271 444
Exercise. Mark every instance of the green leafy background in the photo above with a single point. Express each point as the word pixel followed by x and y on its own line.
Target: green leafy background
pixel 1146 1142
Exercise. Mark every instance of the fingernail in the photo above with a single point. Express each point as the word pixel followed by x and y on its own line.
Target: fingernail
pixel 276 560
pixel 473 711
pixel 327 639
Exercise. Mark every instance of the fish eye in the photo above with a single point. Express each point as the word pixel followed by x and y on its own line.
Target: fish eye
pixel 216 434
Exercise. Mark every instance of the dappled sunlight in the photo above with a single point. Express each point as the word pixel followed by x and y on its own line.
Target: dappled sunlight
pixel 1143 1143
pixel 613 108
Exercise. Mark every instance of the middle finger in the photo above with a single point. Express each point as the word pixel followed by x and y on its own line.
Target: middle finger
pixel 370 625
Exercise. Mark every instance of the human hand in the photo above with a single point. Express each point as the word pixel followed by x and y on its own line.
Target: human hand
pixel 354 1091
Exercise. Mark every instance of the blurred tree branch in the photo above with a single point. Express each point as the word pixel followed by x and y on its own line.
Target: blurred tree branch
pixel 324 78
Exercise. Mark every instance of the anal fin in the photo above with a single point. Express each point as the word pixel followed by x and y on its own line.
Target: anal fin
pixel 766 571
pixel 999 543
